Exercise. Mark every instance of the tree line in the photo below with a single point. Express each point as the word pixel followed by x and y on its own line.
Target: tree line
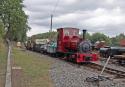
pixel 110 41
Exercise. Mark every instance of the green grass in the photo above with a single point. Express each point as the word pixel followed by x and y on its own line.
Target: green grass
pixel 3 60
pixel 35 68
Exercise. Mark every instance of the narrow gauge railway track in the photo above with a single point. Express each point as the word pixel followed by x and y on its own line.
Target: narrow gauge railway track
pixel 117 73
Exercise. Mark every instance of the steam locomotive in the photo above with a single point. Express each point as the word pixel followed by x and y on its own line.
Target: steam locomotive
pixel 71 46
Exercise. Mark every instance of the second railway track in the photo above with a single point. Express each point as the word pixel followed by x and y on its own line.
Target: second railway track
pixel 115 72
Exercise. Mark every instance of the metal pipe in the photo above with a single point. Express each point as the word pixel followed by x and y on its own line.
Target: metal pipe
pixel 105 66
pixel 84 33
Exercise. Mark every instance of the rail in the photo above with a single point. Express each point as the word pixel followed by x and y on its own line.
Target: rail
pixel 117 73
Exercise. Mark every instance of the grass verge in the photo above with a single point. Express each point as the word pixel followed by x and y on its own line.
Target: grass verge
pixel 35 68
pixel 3 62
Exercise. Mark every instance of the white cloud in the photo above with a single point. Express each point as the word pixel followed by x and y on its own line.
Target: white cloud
pixel 69 2
pixel 94 15
pixel 104 17
pixel 37 29
pixel 110 1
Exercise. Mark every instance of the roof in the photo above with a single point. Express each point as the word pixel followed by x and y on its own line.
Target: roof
pixel 68 28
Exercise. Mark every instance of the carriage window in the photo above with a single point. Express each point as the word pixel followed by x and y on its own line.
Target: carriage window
pixel 76 33
pixel 71 33
pixel 66 33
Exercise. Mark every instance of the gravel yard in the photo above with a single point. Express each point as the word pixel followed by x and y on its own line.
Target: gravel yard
pixel 66 75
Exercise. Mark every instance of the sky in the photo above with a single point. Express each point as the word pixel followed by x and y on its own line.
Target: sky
pixel 105 16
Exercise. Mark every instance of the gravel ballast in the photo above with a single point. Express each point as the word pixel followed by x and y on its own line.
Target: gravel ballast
pixel 65 74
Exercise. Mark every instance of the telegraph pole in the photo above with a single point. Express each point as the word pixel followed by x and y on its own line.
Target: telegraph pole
pixel 51 25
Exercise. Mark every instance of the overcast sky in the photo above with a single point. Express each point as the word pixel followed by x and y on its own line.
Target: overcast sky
pixel 106 16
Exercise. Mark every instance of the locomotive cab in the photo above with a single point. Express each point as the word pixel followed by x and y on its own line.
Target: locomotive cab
pixel 68 39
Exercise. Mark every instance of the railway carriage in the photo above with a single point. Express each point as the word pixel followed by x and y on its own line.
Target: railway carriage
pixel 117 53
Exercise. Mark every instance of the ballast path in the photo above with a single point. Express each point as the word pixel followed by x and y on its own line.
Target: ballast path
pixel 8 72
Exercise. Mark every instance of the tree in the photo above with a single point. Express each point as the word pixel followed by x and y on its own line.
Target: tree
pixel 100 37
pixel 14 20
pixel 49 35
pixel 115 40
pixel 1 30
pixel 87 36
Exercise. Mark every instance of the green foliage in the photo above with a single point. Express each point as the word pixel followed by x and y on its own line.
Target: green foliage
pixel 14 19
pixel 88 36
pixel 109 41
pixel 1 30
pixel 100 37
pixel 120 36
pixel 49 35
pixel 115 40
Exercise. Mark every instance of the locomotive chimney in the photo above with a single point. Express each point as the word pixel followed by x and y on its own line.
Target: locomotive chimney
pixel 84 33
